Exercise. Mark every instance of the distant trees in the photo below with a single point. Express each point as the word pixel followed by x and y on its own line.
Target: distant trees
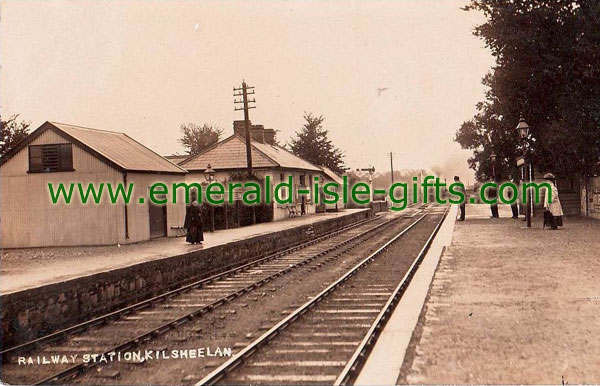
pixel 11 133
pixel 196 138
pixel 548 69
pixel 312 144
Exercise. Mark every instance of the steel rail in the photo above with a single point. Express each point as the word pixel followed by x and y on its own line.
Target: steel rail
pixel 75 370
pixel 151 301
pixel 361 353
pixel 220 372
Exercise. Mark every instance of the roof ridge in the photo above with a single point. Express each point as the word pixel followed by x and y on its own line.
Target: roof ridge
pixel 87 128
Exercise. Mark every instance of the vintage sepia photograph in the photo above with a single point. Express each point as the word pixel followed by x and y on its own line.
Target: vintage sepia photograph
pixel 310 192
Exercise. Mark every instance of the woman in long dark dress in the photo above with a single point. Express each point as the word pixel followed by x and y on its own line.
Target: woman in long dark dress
pixel 193 224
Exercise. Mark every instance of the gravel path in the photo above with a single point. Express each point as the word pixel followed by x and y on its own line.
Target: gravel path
pixel 31 267
pixel 511 306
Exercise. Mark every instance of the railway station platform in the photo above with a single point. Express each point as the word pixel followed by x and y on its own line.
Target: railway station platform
pixel 43 289
pixel 26 268
pixel 505 305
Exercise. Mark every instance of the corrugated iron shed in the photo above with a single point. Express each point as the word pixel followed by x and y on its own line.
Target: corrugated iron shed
pixel 115 148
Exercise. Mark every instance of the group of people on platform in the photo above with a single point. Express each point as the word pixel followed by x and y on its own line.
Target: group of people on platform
pixel 553 212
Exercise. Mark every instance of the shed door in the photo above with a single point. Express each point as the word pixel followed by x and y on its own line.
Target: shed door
pixel 158 220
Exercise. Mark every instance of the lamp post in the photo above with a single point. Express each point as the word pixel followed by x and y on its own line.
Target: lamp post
pixel 209 174
pixel 493 159
pixel 523 131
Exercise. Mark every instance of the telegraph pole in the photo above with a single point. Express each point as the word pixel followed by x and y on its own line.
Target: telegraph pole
pixel 392 165
pixel 243 92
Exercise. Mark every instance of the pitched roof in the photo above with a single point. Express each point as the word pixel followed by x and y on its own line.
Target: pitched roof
pixel 117 149
pixel 329 173
pixel 177 158
pixel 230 153
pixel 283 157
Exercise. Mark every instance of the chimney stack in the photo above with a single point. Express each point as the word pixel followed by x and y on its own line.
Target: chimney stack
pixel 257 133
pixel 238 128
pixel 269 135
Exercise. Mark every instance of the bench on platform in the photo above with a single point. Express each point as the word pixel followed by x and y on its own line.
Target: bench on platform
pixel 293 211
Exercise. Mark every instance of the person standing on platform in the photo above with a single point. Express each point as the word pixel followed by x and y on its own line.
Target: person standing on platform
pixel 193 223
pixel 553 209
pixel 462 189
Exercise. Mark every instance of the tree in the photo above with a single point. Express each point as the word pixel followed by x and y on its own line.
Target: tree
pixel 11 133
pixel 196 138
pixel 547 55
pixel 312 144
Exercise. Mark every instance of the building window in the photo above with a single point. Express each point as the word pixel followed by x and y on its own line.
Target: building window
pixel 51 158
pixel 302 182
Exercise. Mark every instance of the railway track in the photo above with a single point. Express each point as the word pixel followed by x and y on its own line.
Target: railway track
pixel 144 321
pixel 327 339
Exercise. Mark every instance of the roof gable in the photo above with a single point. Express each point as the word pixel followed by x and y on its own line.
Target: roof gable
pixel 117 149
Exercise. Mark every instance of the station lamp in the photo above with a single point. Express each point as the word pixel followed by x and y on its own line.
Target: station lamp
pixel 209 174
pixel 523 129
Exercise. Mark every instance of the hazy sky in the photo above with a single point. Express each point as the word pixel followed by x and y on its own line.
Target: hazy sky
pixel 145 67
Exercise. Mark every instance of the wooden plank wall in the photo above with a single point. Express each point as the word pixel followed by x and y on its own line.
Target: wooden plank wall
pixel 28 217
pixel 138 213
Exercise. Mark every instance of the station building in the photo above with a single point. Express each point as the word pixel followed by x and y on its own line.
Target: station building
pixel 60 153
pixel 228 157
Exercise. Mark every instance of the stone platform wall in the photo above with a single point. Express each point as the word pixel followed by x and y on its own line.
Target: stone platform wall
pixel 39 311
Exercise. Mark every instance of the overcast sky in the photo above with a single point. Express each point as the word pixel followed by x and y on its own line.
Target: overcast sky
pixel 396 76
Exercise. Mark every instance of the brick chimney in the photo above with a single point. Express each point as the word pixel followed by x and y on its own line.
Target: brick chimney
pixel 269 135
pixel 257 133
pixel 238 128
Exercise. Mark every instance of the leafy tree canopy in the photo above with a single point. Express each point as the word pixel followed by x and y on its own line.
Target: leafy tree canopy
pixel 11 133
pixel 547 69
pixel 196 138
pixel 312 144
